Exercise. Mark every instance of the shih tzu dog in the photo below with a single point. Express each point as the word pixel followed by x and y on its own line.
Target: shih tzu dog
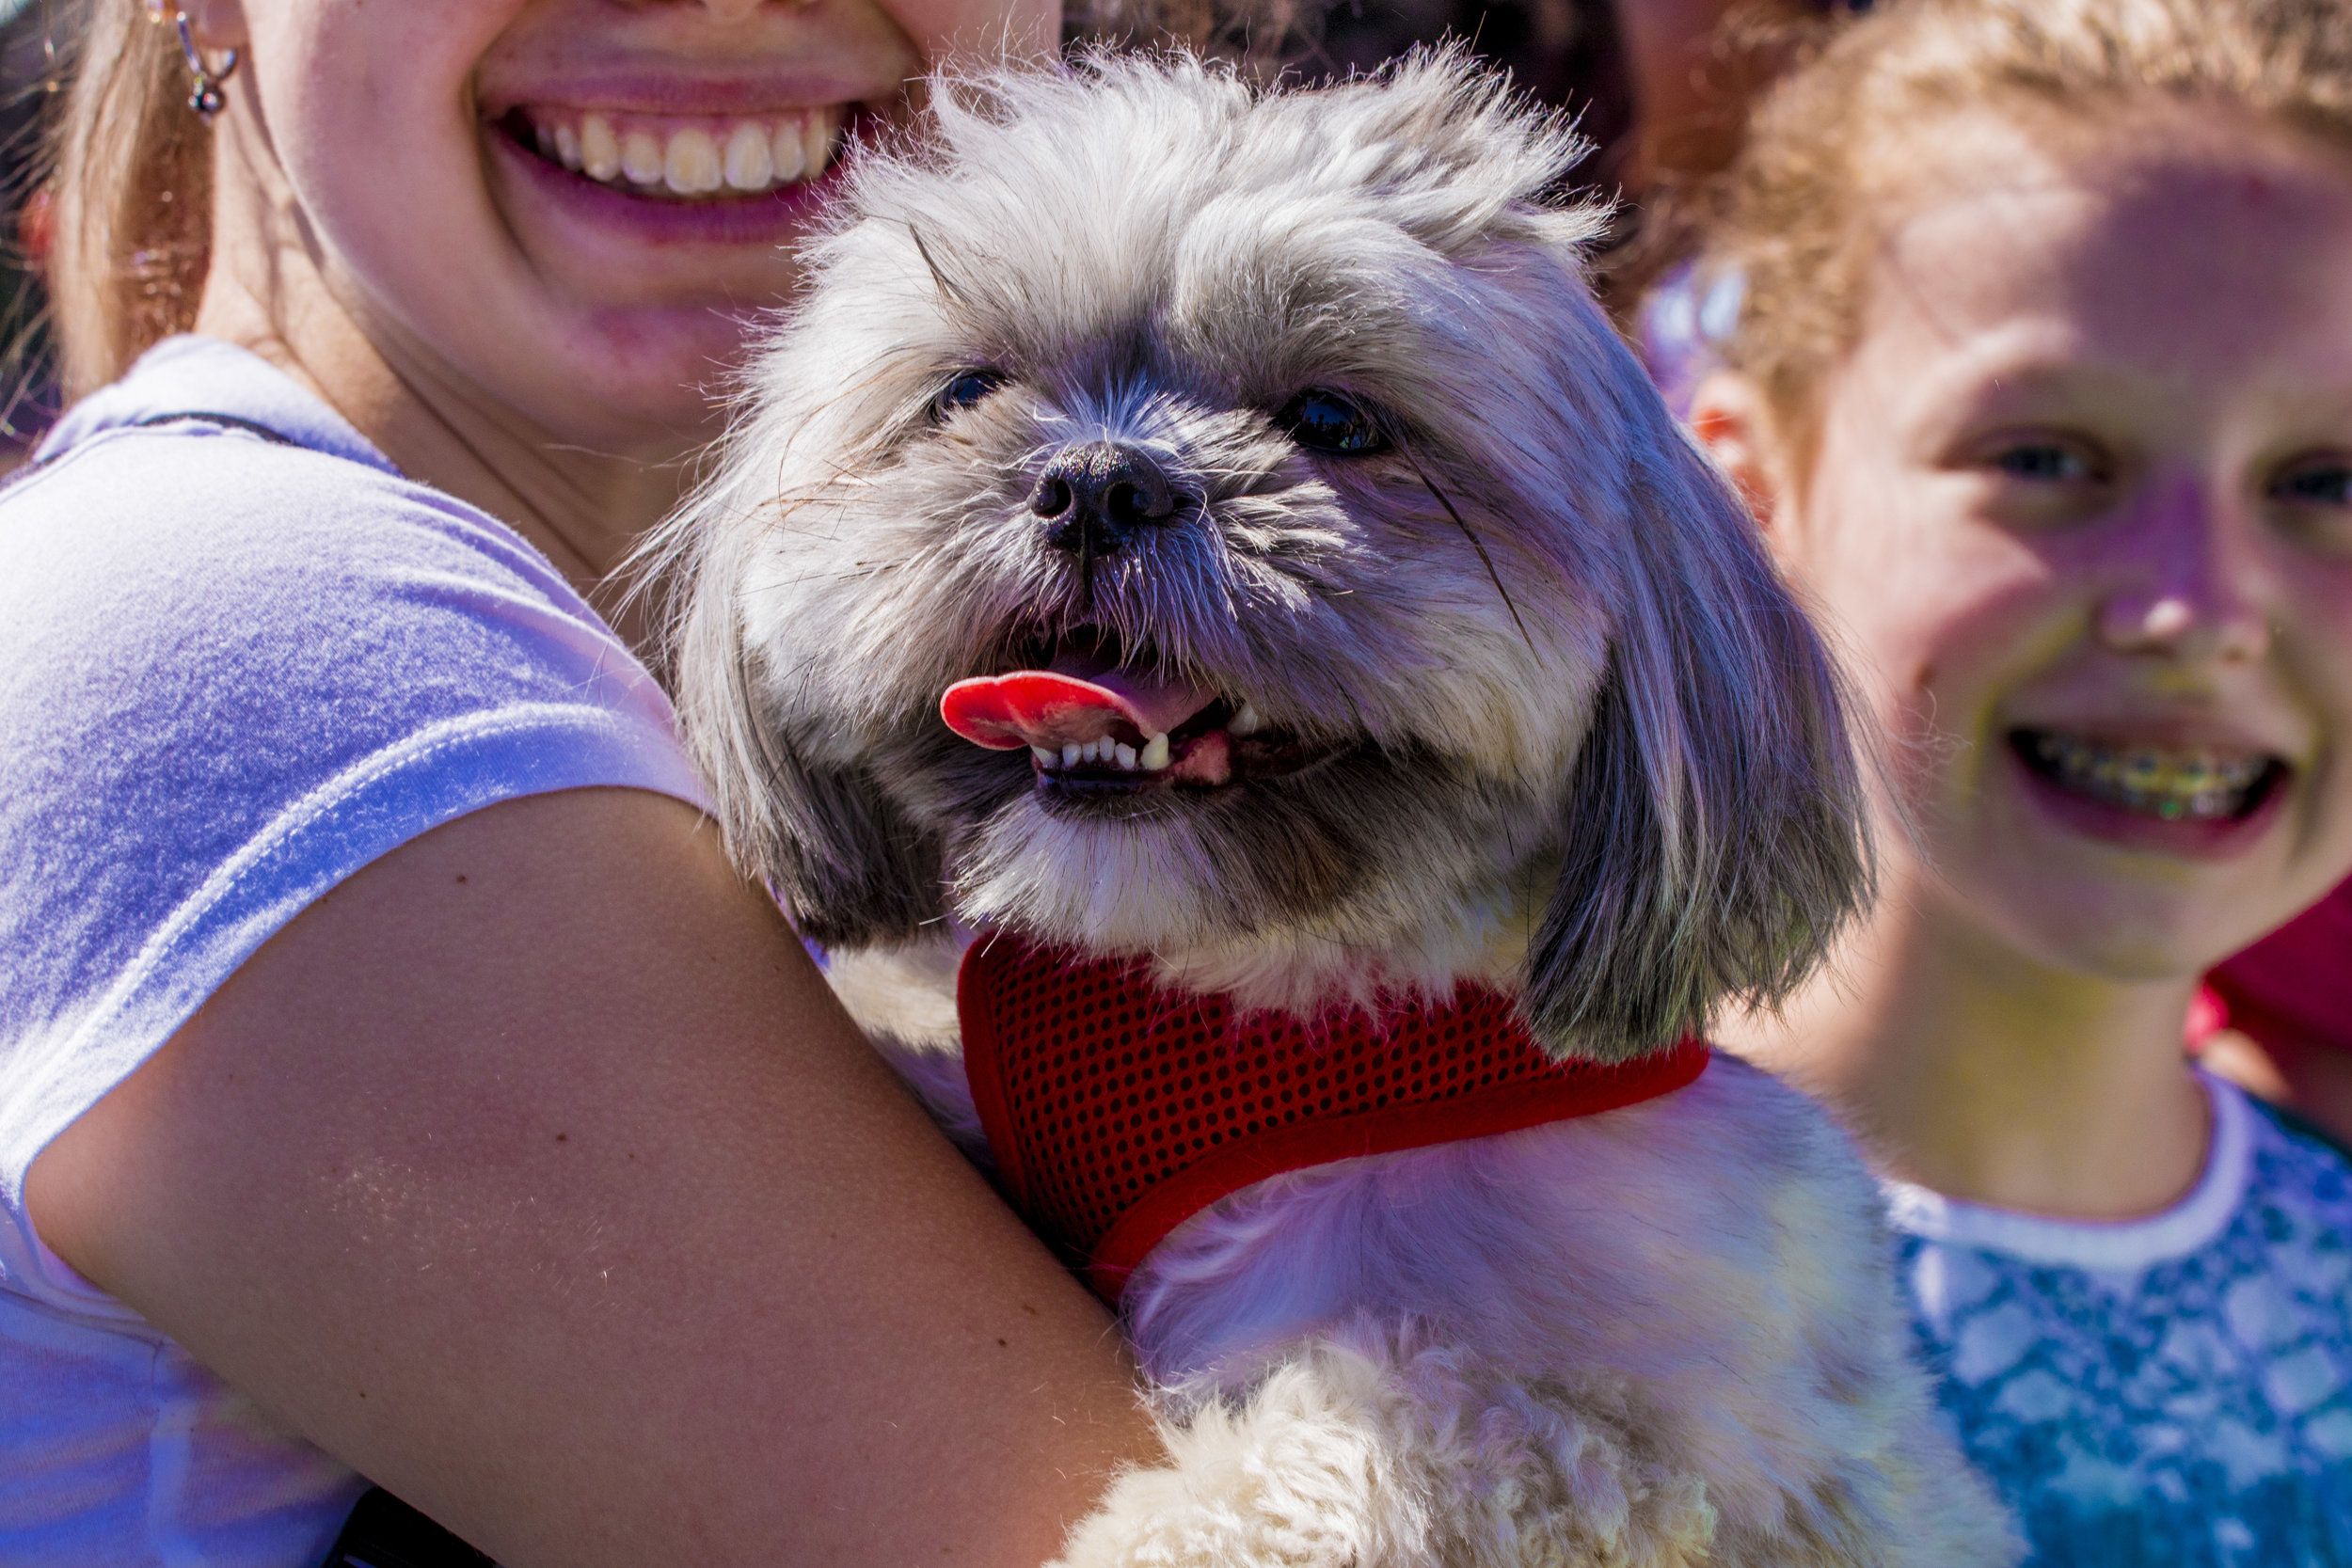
pixel 1284 744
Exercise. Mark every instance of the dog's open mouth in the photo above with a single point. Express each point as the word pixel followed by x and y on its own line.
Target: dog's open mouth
pixel 1097 723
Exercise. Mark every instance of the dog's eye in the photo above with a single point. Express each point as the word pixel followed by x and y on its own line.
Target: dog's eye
pixel 968 388
pixel 1321 419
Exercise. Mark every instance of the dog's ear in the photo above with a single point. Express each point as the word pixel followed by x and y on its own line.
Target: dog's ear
pixel 1716 833
pixel 849 867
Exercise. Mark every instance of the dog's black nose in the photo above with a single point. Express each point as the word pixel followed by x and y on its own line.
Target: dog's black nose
pixel 1093 499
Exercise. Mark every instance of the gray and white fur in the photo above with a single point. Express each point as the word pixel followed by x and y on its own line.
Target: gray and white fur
pixel 1533 708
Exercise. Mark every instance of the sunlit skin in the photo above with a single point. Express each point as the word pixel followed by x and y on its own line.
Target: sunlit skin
pixel 2088 470
pixel 379 235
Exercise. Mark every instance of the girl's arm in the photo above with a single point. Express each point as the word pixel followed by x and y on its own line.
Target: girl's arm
pixel 535 1172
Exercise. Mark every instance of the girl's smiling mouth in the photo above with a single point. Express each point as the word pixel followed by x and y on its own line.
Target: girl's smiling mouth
pixel 681 157
pixel 2196 799
pixel 725 169
pixel 2172 783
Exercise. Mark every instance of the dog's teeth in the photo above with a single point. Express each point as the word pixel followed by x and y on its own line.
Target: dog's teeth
pixel 1154 753
pixel 1044 758
pixel 1247 721
pixel 1070 752
pixel 1126 755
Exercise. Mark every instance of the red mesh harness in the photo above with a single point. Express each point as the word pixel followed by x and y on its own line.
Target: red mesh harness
pixel 1115 1107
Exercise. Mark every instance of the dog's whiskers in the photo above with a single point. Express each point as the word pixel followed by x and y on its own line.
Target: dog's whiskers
pixel 932 266
pixel 1477 544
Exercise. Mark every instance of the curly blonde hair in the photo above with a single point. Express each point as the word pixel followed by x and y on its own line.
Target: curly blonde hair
pixel 133 164
pixel 1801 211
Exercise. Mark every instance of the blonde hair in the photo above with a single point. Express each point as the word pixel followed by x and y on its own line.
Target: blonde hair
pixel 1797 216
pixel 133 193
pixel 133 164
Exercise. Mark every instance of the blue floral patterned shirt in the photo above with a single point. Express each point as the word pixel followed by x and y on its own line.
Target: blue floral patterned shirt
pixel 2172 1392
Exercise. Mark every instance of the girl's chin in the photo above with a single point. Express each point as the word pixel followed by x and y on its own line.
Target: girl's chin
pixel 634 378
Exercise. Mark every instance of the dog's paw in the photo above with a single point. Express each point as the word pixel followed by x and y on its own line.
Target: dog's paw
pixel 1252 1489
pixel 1381 1456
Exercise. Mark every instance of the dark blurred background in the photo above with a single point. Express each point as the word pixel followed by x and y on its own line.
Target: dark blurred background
pixel 1568 53
pixel 29 31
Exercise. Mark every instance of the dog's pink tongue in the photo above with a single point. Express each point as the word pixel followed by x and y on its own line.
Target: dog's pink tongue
pixel 1052 708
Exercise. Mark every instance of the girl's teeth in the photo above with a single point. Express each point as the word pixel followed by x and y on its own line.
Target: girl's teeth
pixel 746 155
pixel 640 158
pixel 2194 783
pixel 599 149
pixel 788 152
pixel 750 164
pixel 691 167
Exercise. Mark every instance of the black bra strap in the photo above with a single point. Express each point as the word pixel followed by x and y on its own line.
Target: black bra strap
pixel 230 421
pixel 227 421
pixel 385 1533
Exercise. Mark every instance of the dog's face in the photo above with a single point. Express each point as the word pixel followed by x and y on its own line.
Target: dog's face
pixel 1319 596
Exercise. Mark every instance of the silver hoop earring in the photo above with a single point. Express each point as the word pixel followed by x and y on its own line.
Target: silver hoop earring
pixel 205 94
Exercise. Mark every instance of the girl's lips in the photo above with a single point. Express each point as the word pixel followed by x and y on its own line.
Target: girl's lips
pixel 769 217
pixel 636 93
pixel 2112 821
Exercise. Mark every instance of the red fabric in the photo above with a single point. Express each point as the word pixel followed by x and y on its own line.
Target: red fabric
pixel 1116 1108
pixel 2208 1015
pixel 2295 986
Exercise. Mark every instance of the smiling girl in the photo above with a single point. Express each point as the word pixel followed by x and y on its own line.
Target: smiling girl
pixel 394 1079
pixel 2042 389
